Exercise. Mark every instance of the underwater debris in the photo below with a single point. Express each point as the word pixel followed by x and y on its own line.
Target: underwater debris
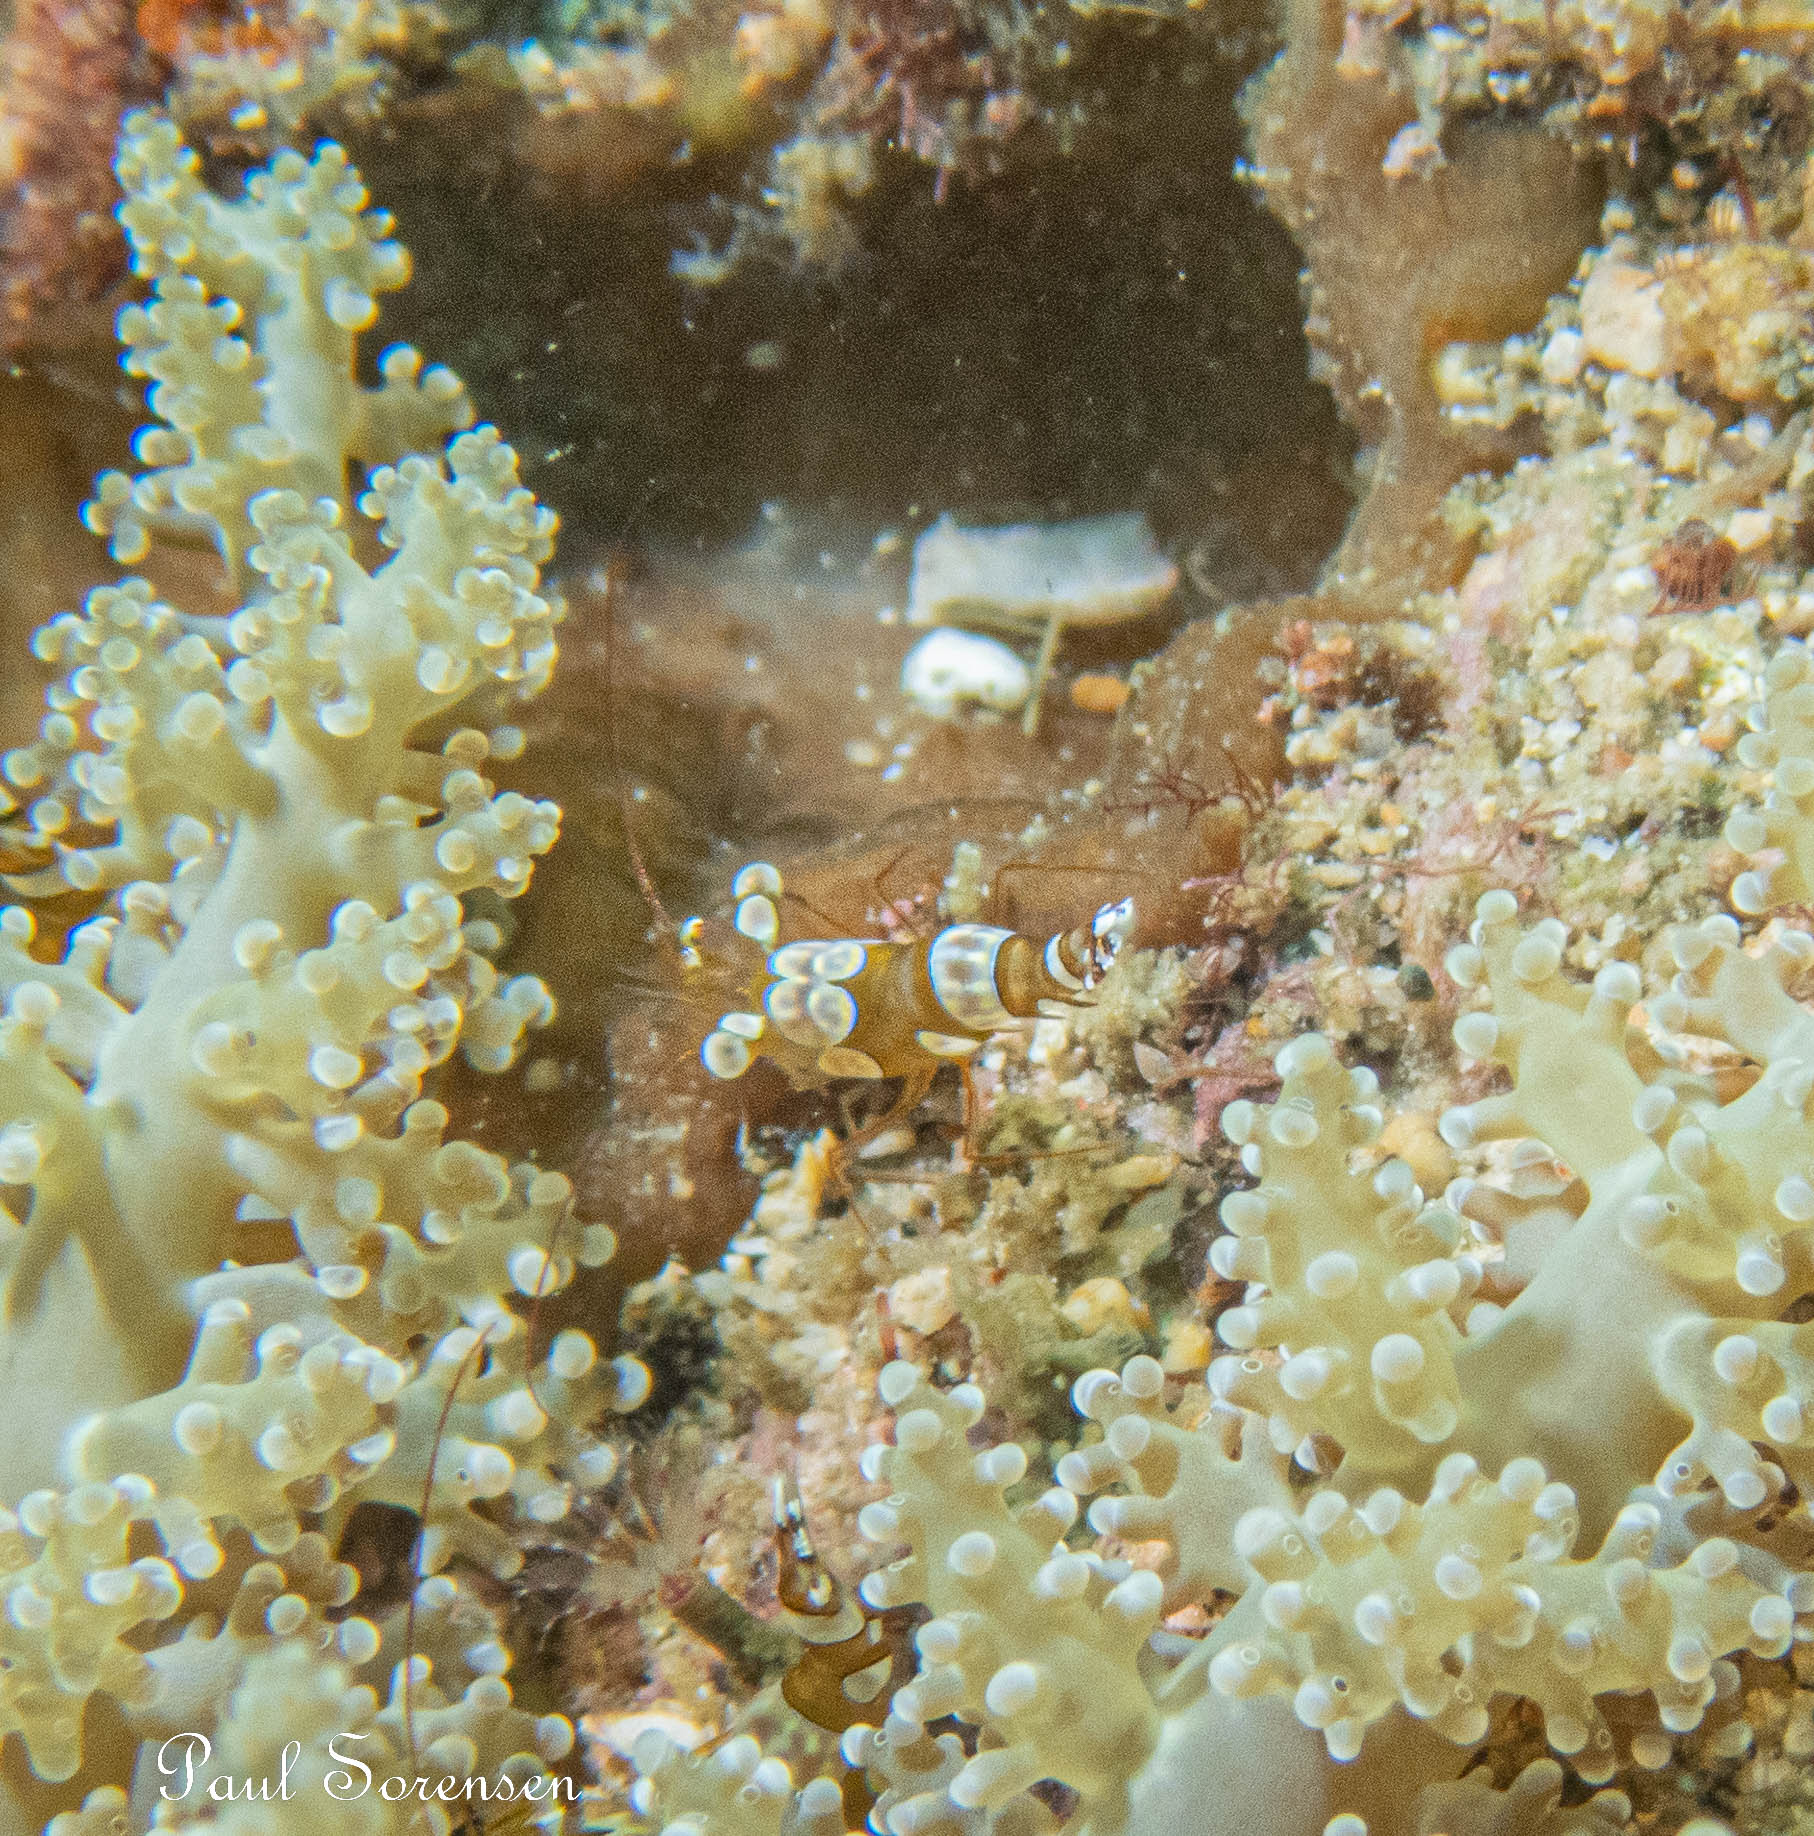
pixel 1096 570
pixel 948 667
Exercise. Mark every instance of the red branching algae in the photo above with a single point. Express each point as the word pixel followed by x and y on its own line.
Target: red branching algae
pixel 942 81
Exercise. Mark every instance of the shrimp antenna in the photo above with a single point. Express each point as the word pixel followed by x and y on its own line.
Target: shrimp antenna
pixel 632 845
pixel 418 1548
pixel 832 927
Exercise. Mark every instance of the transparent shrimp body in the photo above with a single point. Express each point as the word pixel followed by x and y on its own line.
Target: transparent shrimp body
pixel 824 1008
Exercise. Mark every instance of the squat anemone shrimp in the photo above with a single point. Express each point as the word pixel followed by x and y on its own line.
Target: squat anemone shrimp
pixel 874 1008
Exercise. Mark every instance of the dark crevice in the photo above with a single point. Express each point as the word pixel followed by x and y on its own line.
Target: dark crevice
pixel 1114 328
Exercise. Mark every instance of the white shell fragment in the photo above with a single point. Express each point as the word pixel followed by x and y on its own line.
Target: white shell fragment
pixel 1043 577
pixel 946 668
pixel 1095 570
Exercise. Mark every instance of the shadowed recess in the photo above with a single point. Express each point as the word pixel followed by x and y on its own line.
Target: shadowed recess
pixel 1119 328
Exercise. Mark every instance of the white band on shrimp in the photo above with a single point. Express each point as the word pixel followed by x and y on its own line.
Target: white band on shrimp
pixel 961 965
pixel 1056 967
